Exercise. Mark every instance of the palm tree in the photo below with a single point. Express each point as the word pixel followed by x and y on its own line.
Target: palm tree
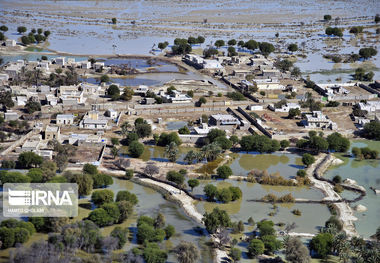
pixel 114 151
pixel 190 157
pixel 211 151
pixel 171 152
pixel 186 252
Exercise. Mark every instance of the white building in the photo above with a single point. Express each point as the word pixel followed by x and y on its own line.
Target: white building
pixel 318 120
pixel 370 106
pixel 10 43
pixel 175 97
pixel 85 64
pixel 111 113
pixel 93 121
pixel 98 65
pixel 223 119
pixel 285 108
pixel 65 119
pixel 10 116
pixel 60 61
pixel 255 107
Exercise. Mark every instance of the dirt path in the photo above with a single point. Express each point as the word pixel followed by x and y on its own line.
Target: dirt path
pixel 345 212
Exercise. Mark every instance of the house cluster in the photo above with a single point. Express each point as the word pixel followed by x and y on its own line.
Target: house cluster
pixel 201 63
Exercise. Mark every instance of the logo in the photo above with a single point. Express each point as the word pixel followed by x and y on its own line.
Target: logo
pixel 46 200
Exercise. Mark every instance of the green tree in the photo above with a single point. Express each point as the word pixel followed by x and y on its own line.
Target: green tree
pixel 235 254
pixel 125 195
pixel 284 144
pixel 338 143
pixel 223 142
pixel 127 94
pixel 322 244
pixel 143 130
pixel 153 254
pixel 100 197
pixel 219 43
pixel 271 244
pixel 121 234
pixel 367 52
pixel 251 44
pixel 202 100
pixel 255 248
pixel 318 144
pixel 89 169
pixel 131 137
pixel 21 29
pixel 224 195
pixel 293 47
pixel 216 219
pixel 210 191
pixel 215 133
pixel 266 48
pixel 193 183
pixel 159 221
pixel 171 152
pixel 126 209
pixel 184 130
pixel 29 160
pixel 175 177
pixel 372 130
pixel 6 99
pixel 210 52
pixel 112 210
pixel 4 28
pixel 224 172
pixel 100 217
pixel 165 139
pixel 308 159
pixel 136 149
pixel 114 20
pixel 84 182
pixel 327 17
pixel 231 42
pixel 105 79
pixel 47 33
pixel 113 91
pixel 266 228
pixel 36 175
pixel 294 112
pixel 101 180
pixel 7 237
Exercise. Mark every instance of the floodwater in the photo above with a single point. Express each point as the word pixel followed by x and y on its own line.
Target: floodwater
pixel 150 203
pixel 285 164
pixel 367 174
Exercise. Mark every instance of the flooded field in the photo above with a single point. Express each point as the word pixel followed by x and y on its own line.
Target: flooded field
pixel 367 174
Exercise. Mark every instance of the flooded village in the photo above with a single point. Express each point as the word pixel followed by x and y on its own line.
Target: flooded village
pixel 239 131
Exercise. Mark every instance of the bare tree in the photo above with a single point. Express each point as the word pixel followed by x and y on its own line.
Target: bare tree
pixel 186 252
pixel 151 169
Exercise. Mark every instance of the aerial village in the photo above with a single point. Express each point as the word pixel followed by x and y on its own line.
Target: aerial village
pixel 220 152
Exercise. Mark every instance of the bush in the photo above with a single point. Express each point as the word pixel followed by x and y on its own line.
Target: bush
pixel 193 183
pixel 169 231
pixel 13 177
pixel 129 174
pixel 297 212
pixel 337 179
pixel 184 130
pixel 136 149
pixel 223 142
pixel 112 210
pixel 301 173
pixel 166 139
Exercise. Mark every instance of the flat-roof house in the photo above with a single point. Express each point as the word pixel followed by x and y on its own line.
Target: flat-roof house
pixel 10 43
pixel 271 73
pixel 65 119
pixel 91 89
pixel 370 106
pixel 60 61
pixel 98 65
pixel 92 121
pixel 85 64
pixel 30 146
pixel 10 116
pixel 52 132
pixel 3 78
pixel 175 97
pixel 111 113
pixel 286 107
pixel 318 120
pixel 223 119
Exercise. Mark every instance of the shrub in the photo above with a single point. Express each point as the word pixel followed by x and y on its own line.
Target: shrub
pixel 301 173
pixel 100 217
pixel 308 159
pixel 125 195
pixel 255 248
pixel 100 197
pixel 129 174
pixel 297 212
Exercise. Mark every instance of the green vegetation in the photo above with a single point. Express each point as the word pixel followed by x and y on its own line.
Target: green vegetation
pixel 372 130
pixel 308 159
pixel 361 75
pixel 224 172
pixel 224 195
pixel 259 143
pixel 364 153
pixel 216 219
pixel 135 149
pixel 367 52
pixel 335 31
pixel 237 96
